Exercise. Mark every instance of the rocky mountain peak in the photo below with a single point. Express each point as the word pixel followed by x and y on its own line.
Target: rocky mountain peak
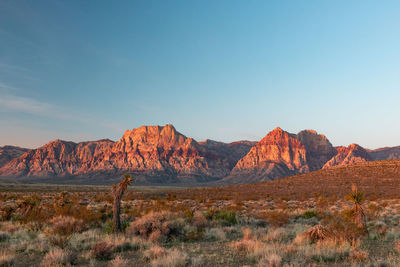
pixel 353 153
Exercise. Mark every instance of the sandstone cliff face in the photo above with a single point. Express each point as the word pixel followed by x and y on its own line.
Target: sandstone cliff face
pixel 348 155
pixel 148 151
pixel 58 158
pixel 278 154
pixel 165 151
pixel 319 149
pixel 7 153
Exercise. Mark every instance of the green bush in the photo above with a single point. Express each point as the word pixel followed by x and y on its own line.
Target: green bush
pixel 224 217
pixel 108 226
pixel 309 214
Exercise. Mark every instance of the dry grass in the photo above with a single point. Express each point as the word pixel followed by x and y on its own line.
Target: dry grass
pixel 268 225
pixel 6 257
pixel 173 258
pixel 58 257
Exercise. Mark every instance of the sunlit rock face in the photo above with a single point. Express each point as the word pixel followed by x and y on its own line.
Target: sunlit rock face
pixel 148 151
pixel 281 154
pixel 58 158
pixel 278 154
pixel 348 155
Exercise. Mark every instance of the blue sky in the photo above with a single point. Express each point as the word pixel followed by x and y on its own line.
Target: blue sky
pixel 224 70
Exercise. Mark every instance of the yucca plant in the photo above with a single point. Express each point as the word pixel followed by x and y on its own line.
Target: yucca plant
pixel 117 192
pixel 357 198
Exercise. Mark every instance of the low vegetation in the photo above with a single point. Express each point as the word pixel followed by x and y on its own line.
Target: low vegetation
pixel 199 227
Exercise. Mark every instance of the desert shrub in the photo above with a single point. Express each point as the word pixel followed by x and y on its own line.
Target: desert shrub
pixel 199 220
pixel 277 218
pixel 271 260
pixel 215 234
pixel 372 212
pixel 102 251
pixel 4 236
pixel 358 255
pixel 6 213
pixel 173 258
pixel 58 257
pixel 309 214
pixel 60 229
pixel 88 216
pixel 378 229
pixel 122 243
pixel 224 217
pixel 108 226
pixel 157 226
pixel 342 227
pixel 65 226
pixel 154 252
pixel 317 233
pixel 7 257
pixel 119 261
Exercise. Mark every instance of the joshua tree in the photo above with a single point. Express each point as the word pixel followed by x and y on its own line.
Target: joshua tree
pixel 117 192
pixel 357 197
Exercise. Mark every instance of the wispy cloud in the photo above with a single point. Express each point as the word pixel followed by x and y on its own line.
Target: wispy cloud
pixel 6 87
pixel 10 102
pixel 13 103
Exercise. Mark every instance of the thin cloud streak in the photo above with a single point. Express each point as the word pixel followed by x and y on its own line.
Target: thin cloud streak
pixel 13 103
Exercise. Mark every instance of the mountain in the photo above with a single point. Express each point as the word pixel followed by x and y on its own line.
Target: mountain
pixel 348 155
pixel 280 154
pixel 319 149
pixel 58 158
pixel 162 155
pixel 385 153
pixel 7 153
pixel 152 153
pixel 233 152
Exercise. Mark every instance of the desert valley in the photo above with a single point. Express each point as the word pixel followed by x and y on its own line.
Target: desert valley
pixel 259 133
pixel 287 200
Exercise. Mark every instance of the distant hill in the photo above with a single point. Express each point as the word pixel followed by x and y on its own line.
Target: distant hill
pixel 7 153
pixel 375 178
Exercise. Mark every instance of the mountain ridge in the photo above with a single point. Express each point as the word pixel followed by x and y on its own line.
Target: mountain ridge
pixel 161 154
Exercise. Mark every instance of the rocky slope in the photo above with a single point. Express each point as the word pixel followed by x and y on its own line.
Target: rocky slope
pixel 160 154
pixel 58 158
pixel 319 149
pixel 280 154
pixel 7 153
pixel 232 152
pixel 385 153
pixel 152 153
pixel 348 155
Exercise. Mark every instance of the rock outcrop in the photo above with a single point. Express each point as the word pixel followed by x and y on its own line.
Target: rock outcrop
pixel 59 158
pixel 319 149
pixel 7 153
pixel 385 153
pixel 232 152
pixel 152 153
pixel 348 155
pixel 278 154
pixel 162 155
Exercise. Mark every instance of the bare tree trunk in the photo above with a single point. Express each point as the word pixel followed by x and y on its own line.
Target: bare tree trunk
pixel 117 193
pixel 117 214
pixel 359 216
